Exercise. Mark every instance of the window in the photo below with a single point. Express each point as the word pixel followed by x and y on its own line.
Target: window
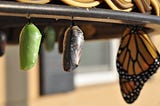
pixel 97 63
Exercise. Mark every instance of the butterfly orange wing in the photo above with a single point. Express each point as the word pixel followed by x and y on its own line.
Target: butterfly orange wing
pixel 130 89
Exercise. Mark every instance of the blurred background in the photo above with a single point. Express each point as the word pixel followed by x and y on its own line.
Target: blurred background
pixel 94 83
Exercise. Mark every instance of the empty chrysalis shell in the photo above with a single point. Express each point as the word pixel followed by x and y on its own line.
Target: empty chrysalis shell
pixel 50 37
pixel 60 39
pixel 72 47
pixel 30 39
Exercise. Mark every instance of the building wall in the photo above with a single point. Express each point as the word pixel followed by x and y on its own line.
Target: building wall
pixel 19 88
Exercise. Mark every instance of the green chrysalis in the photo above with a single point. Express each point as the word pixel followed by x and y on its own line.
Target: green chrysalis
pixel 30 39
pixel 49 38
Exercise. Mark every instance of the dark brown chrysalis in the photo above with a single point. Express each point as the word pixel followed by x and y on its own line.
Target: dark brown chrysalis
pixel 72 47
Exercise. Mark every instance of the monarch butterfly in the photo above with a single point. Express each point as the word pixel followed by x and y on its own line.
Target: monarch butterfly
pixel 137 60
pixel 30 39
pixel 72 47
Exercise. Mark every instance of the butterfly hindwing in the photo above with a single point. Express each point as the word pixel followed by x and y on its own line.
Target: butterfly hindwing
pixel 130 89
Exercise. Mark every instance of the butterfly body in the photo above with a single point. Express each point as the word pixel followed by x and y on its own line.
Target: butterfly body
pixel 137 60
